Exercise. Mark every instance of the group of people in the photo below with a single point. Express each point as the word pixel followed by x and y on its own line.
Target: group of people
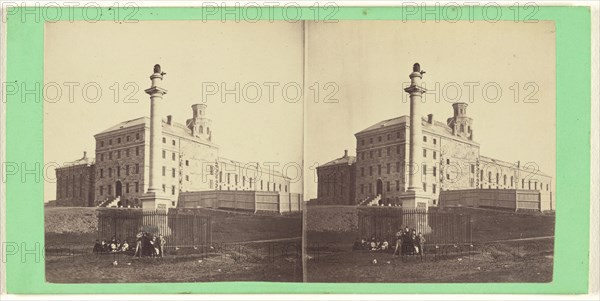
pixel 111 246
pixel 147 245
pixel 408 242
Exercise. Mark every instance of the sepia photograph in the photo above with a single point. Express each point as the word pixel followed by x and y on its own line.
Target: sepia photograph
pixel 177 151
pixel 354 151
pixel 435 161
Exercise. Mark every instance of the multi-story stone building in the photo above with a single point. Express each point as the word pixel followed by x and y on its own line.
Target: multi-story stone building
pixel 451 160
pixel 337 181
pixel 190 162
pixel 75 183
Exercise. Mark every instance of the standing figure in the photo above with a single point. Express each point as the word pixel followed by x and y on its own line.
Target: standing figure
pixel 138 244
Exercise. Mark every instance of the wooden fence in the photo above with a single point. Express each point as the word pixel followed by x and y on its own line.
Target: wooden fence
pixel 437 227
pixel 180 228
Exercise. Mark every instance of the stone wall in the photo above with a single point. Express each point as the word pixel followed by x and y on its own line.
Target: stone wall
pixel 331 218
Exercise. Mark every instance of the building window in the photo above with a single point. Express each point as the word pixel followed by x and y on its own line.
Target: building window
pixel 397 166
pixel 504 179
pixel 371 140
pixel 389 137
pixel 424 186
pixel 109 172
pixel 388 151
pixel 173 156
pixel 109 190
pixel 126 170
pixel 434 155
pixel 362 188
pixel 173 142
pixel 433 188
pixel 547 187
pixel 101 173
pixel 522 183
pixel 173 172
pixel 173 190
pixel 101 143
pixel 127 152
pixel 164 187
pixel 362 141
pixel 164 171
pixel 362 171
pixel 497 178
pixel 434 141
pixel 370 170
pixel 434 171
pixel 187 178
pixel 447 161
pixel 164 140
pixel 118 140
pixel 127 188
pixel 128 138
pixel 109 155
pixel 481 174
pixel 472 168
pixel 379 169
pixel 397 185
pixel 109 141
pixel 388 168
pixel 424 138
pixel 118 154
pixel 137 187
pixel 370 188
pixel 187 163
pixel 362 155
pixel 137 136
pixel 118 171
pixel 378 138
pixel 101 190
pixel 137 150
pixel 137 168
pixel 101 157
pixel 164 154
pixel 424 169
pixel 387 186
pixel 397 134
pixel 424 153
pixel 371 154
pixel 379 153
pixel 489 176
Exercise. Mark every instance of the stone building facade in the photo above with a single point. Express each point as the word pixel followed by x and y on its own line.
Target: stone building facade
pixel 75 183
pixel 451 160
pixel 190 162
pixel 336 181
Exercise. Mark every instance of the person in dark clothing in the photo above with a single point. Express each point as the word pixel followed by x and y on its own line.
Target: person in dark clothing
pixel 398 247
pixel 421 243
pixel 97 247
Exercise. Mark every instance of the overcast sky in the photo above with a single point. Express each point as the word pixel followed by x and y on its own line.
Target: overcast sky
pixel 367 62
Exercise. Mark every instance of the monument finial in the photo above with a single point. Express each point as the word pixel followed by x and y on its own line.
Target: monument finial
pixel 417 68
pixel 158 70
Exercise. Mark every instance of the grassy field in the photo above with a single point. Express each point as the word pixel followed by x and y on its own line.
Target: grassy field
pixel 490 259
pixel 235 256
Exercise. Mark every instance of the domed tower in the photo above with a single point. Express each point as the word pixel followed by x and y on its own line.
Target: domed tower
pixel 199 124
pixel 460 123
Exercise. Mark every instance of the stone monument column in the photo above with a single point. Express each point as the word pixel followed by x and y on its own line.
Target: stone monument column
pixel 154 198
pixel 414 197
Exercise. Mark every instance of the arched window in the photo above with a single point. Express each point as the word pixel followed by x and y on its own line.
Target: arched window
pixel 462 128
pixel 201 129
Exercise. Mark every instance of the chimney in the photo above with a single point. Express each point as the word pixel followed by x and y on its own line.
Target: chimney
pixel 430 118
pixel 170 119
pixel 345 153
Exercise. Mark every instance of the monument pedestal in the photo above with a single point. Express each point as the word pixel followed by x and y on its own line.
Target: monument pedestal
pixel 415 200
pixel 155 201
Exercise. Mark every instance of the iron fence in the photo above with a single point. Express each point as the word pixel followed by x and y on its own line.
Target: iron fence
pixel 179 229
pixel 437 227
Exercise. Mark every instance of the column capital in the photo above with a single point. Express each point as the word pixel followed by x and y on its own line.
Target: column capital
pixel 155 90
